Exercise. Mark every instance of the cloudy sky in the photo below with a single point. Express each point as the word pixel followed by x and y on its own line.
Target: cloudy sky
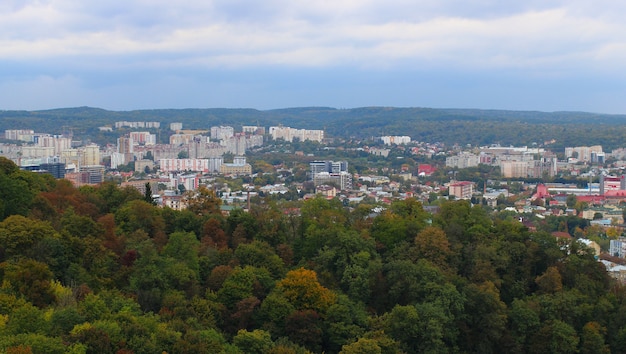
pixel 543 55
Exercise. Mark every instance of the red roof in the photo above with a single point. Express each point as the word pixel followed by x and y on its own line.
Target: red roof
pixel 615 193
pixel 426 169
pixel 590 198
pixel 561 234
pixel 462 183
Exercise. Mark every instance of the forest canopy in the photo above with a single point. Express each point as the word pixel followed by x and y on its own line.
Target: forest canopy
pixel 99 269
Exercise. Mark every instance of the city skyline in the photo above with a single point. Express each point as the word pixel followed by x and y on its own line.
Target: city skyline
pixel 535 55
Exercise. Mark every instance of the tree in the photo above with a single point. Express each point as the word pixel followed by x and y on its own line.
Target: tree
pixel 139 215
pixel 592 339
pixel 486 318
pixel 301 288
pixel 255 342
pixel 555 337
pixel 18 235
pixel 361 346
pixel 571 200
pixel 32 279
pixel 431 243
pixel 184 154
pixel 148 194
pixel 203 202
pixel 550 281
pixel 304 327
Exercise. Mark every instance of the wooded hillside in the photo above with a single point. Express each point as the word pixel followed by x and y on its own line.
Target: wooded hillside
pixel 103 270
pixel 449 126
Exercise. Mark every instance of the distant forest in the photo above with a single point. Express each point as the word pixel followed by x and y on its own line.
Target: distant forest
pixel 449 126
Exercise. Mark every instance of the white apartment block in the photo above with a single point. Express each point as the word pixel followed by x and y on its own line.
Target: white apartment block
pixel 179 139
pixel 90 155
pixel 70 157
pixel 528 169
pixel 58 143
pixel 176 126
pixel 143 138
pixel 37 151
pixel 583 152
pixel 236 144
pixel 253 129
pixel 19 134
pixel 288 134
pixel 395 140
pixel 200 165
pixel 134 125
pixel 463 160
pixel 254 141
pixel 222 132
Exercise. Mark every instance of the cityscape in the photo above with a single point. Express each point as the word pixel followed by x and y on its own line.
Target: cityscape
pixel 521 181
pixel 322 177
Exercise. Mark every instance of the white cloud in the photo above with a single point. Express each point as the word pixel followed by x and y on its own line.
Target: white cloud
pixel 365 33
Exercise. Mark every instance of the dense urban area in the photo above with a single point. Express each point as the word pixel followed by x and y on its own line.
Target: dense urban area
pixel 278 239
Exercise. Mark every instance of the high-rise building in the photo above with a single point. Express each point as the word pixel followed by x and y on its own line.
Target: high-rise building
pixel 125 148
pixel 143 138
pixel 328 166
pixel 222 132
pixel 343 179
pixel 612 183
pixel 90 155
pixel 95 173
pixel 236 144
pixel 334 172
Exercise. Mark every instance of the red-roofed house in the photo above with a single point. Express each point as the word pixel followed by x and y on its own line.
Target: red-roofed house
pixel 426 170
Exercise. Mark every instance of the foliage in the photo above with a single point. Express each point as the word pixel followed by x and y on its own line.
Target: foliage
pixel 101 269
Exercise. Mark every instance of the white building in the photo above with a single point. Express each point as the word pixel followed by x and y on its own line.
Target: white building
pixel 463 160
pixel 58 143
pixel 617 247
pixel 135 125
pixel 37 151
pixel 200 165
pixel 235 144
pixel 143 138
pixel 288 134
pixel 19 134
pixel 343 179
pixel 90 155
pixel 395 140
pixel 222 132
pixel 582 153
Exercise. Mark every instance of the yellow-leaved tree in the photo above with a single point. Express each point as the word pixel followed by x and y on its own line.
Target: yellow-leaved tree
pixel 302 289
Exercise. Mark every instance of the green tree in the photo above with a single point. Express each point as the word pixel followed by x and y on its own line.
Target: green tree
pixel 362 346
pixel 255 342
pixel 555 337
pixel 19 235
pixel 592 339
pixel 486 317
pixel 32 279
pixel 148 194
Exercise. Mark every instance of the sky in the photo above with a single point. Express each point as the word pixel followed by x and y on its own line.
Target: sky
pixel 543 55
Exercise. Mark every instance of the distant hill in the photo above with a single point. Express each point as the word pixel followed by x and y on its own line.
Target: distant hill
pixel 463 126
